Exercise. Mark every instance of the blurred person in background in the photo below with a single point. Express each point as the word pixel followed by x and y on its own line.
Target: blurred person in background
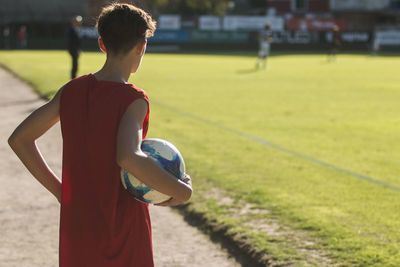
pixel 336 43
pixel 265 40
pixel 22 38
pixel 6 37
pixel 375 44
pixel 74 43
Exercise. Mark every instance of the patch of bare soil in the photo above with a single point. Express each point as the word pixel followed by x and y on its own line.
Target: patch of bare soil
pixel 258 220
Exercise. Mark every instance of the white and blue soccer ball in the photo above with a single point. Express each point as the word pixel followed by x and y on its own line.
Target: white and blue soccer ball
pixel 168 157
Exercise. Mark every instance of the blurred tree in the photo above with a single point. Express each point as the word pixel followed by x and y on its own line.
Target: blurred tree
pixel 153 6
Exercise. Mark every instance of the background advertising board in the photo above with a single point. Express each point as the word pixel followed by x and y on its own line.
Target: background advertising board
pixel 169 22
pixel 359 4
pixel 189 22
pixel 391 38
pixel 315 24
pixel 295 37
pixel 209 23
pixel 233 23
pixel 356 37
pixel 198 36
pixel 170 36
pixel 88 32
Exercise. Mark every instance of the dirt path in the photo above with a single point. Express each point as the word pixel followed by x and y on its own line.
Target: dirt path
pixel 29 215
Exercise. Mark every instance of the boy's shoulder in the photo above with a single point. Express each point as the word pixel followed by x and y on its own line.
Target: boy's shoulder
pixel 78 81
pixel 127 91
pixel 131 88
pixel 74 85
pixel 89 81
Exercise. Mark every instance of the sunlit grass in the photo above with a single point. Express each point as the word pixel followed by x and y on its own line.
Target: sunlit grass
pixel 279 139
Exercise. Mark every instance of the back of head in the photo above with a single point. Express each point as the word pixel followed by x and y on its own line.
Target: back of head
pixel 122 26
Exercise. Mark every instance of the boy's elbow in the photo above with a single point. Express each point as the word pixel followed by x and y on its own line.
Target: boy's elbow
pixel 186 194
pixel 18 139
pixel 189 194
pixel 13 141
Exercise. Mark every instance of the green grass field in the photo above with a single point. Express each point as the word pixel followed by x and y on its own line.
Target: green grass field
pixel 301 161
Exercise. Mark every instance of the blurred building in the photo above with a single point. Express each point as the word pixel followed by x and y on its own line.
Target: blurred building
pixel 28 11
pixel 300 23
pixel 45 20
pixel 300 6
pixel 358 15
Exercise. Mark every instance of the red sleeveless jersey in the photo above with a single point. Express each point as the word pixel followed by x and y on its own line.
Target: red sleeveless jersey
pixel 100 223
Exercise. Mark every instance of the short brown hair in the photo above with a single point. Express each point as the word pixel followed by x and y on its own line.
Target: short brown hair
pixel 122 26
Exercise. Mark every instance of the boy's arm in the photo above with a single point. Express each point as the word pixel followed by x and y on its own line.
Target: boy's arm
pixel 131 158
pixel 23 142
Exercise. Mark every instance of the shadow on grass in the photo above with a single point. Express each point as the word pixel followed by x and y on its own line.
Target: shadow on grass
pixel 45 96
pixel 237 246
pixel 247 71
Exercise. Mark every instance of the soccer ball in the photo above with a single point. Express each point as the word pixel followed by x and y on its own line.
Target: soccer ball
pixel 168 157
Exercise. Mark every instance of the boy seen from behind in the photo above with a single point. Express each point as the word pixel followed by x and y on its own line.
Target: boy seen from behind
pixel 103 121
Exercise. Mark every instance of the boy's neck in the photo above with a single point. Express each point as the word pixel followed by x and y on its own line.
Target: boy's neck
pixel 115 70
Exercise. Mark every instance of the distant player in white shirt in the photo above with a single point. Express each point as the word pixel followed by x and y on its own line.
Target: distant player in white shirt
pixel 265 40
pixel 375 44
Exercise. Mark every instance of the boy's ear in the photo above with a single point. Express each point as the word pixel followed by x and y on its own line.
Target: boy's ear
pixel 141 47
pixel 101 45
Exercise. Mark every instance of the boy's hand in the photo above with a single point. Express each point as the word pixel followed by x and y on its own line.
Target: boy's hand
pixel 187 180
pixel 172 201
